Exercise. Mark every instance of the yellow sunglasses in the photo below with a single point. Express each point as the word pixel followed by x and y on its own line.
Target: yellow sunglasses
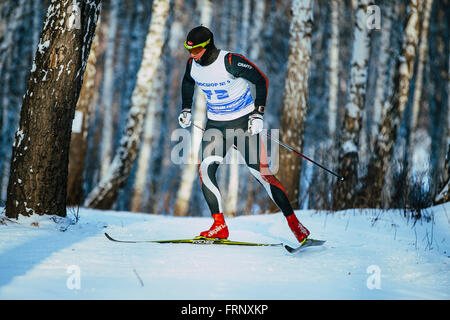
pixel 197 48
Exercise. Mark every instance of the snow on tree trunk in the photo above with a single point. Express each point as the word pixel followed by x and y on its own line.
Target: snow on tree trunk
pixel 38 179
pixel 198 117
pixel 107 98
pixel 78 141
pixel 387 133
pixel 422 52
pixel 151 133
pixel 333 77
pixel 295 97
pixel 343 193
pixel 105 193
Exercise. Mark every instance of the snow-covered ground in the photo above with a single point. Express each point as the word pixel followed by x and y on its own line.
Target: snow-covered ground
pixel 369 254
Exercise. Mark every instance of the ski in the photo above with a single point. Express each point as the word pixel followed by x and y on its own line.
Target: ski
pixel 306 243
pixel 199 240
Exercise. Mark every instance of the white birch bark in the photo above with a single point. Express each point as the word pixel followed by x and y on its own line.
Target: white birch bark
pixel 105 193
pixel 107 97
pixel 422 51
pixel 382 69
pixel 351 128
pixel 333 76
pixel 296 96
pixel 387 133
pixel 198 117
pixel 150 134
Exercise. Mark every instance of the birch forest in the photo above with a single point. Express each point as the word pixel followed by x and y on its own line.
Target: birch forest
pixel 90 93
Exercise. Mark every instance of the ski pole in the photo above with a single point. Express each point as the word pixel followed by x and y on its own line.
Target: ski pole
pixel 304 157
pixel 198 127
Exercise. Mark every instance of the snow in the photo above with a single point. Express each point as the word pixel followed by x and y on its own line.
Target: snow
pixel 43 46
pixel 369 254
pixel 349 147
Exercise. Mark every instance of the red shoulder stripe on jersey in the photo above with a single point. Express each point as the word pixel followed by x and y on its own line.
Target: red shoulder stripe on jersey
pixel 265 78
pixel 190 60
pixel 229 57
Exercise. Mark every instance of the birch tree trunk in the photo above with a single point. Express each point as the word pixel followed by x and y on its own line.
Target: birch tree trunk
pixel 78 140
pixel 105 193
pixel 107 97
pixel 296 95
pixel 387 133
pixel 383 69
pixel 198 117
pixel 348 159
pixel 333 76
pixel 416 103
pixel 38 179
pixel 150 134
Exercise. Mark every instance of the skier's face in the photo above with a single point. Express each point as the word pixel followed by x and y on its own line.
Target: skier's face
pixel 197 54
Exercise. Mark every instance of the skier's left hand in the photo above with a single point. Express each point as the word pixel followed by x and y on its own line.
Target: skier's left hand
pixel 255 123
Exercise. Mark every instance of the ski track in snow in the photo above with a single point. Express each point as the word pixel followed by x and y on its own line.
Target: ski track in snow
pixel 38 262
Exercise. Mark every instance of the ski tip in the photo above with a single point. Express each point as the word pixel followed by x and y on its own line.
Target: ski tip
pixel 109 237
pixel 289 249
pixel 306 243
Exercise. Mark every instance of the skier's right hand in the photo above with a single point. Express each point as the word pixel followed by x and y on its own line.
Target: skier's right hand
pixel 184 119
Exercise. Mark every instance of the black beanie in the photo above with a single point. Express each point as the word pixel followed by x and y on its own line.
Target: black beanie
pixel 199 35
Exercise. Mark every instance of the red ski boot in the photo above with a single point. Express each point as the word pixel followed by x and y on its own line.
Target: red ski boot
pixel 219 228
pixel 300 232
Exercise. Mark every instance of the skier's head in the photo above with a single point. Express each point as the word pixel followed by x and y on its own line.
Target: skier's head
pixel 200 44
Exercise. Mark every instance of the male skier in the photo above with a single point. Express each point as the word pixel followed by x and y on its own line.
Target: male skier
pixel 223 77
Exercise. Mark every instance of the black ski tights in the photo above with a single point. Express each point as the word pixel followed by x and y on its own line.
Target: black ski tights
pixel 218 138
